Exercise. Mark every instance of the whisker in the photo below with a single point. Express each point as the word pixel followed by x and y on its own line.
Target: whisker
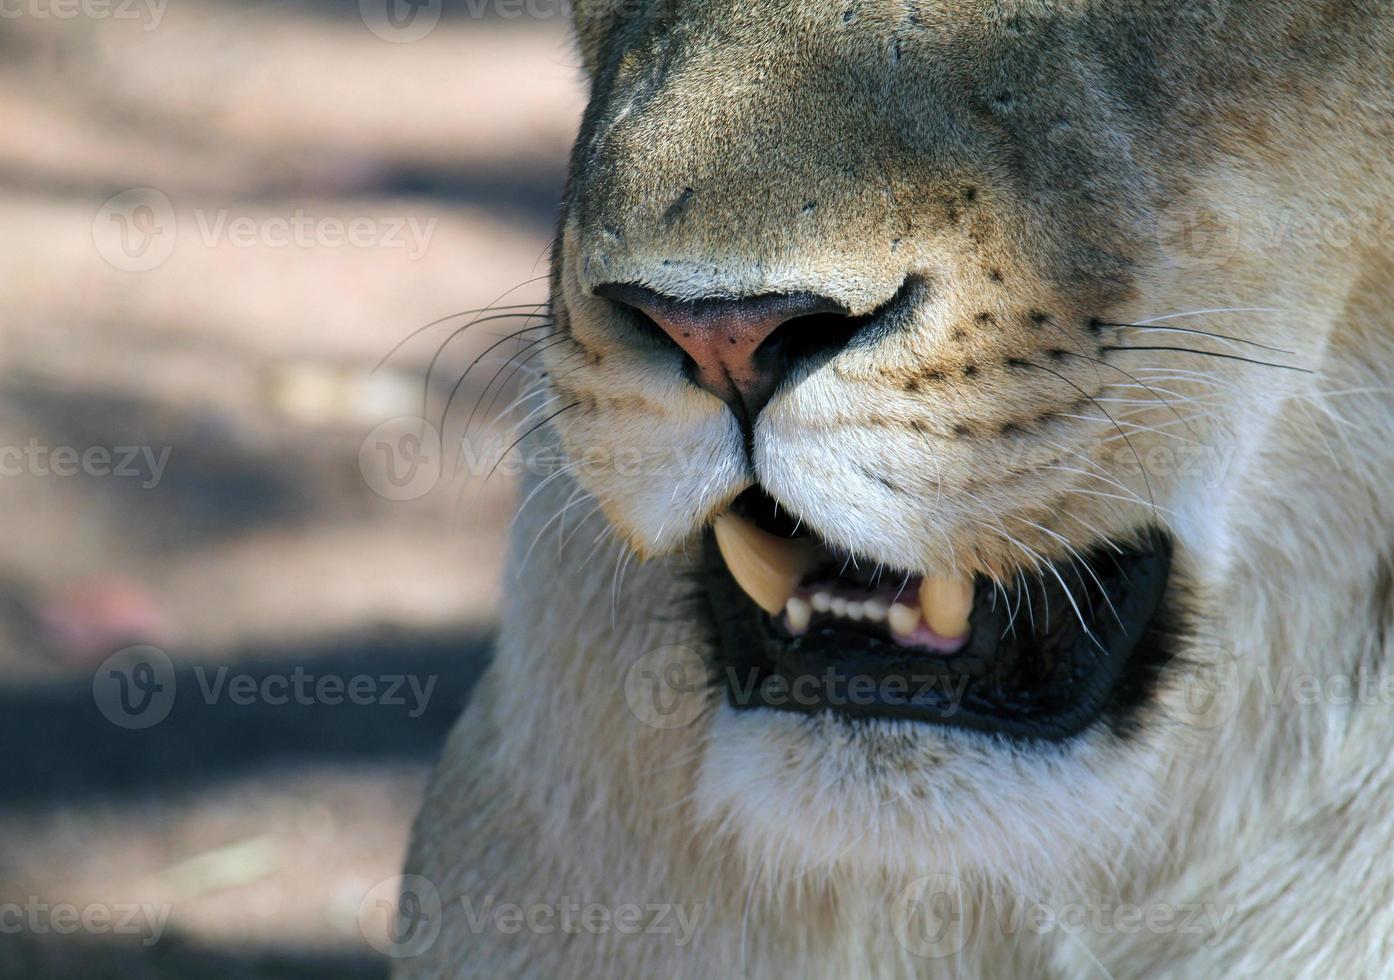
pixel 514 444
pixel 559 518
pixel 502 367
pixel 455 388
pixel 1127 495
pixel 1163 512
pixel 1026 594
pixel 1069 596
pixel 1075 555
pixel 1215 310
pixel 1211 353
pixel 547 343
pixel 566 538
pixel 525 397
pixel 445 319
pixel 1141 466
pixel 1204 333
pixel 431 365
pixel 603 535
pixel 617 584
pixel 1139 381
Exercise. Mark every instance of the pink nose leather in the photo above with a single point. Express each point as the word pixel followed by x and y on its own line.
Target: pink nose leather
pixel 724 338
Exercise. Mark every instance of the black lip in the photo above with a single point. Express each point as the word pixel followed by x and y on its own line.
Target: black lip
pixel 1030 669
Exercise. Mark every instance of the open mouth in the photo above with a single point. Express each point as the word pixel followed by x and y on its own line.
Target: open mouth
pixel 804 627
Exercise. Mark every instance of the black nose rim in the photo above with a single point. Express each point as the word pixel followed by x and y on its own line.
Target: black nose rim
pixel 735 349
pixel 788 305
pixel 743 349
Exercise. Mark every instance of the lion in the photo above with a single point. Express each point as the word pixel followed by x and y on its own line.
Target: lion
pixel 970 547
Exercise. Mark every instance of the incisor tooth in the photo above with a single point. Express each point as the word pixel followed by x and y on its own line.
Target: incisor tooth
pixel 946 603
pixel 799 613
pixel 903 618
pixel 766 567
pixel 875 610
pixel 855 612
pixel 822 601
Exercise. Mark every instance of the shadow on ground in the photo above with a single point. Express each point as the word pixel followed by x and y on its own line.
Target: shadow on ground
pixel 29 958
pixel 226 719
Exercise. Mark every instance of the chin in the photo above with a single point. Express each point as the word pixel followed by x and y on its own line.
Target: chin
pixel 1010 728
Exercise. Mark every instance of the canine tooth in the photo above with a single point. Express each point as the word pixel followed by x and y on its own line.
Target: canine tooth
pixel 839 607
pixel 766 567
pixel 822 602
pixel 946 603
pixel 799 613
pixel 903 618
pixel 855 612
pixel 875 610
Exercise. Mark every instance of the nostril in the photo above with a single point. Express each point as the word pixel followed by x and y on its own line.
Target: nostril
pixel 810 336
pixel 742 349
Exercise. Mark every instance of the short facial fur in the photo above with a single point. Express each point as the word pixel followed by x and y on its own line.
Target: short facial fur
pixel 1071 191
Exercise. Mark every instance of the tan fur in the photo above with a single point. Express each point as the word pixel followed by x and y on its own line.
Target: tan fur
pixel 1041 164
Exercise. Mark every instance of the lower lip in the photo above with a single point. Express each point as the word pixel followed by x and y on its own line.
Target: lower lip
pixel 1021 683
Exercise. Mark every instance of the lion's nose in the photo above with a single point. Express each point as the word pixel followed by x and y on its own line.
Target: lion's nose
pixel 736 347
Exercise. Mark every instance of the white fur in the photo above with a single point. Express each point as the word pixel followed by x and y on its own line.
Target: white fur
pixel 803 839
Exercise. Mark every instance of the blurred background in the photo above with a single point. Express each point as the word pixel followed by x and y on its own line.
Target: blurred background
pixel 239 604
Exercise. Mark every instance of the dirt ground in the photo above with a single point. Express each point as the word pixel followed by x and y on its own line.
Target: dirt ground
pixel 221 221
